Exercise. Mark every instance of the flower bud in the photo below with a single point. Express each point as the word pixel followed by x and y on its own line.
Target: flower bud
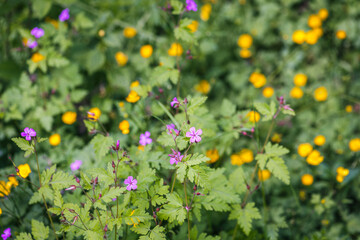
pixel 106 228
pixel 72 187
pixel 71 210
pixel 157 209
pixel 248 186
pixel 77 179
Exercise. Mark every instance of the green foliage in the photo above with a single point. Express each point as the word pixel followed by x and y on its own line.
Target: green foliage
pixel 24 145
pixel 266 110
pixel 38 230
pixel 101 145
pixel 174 209
pixel 245 216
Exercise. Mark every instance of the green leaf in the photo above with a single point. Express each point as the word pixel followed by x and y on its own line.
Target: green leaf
pixel 174 210
pixel 89 125
pixel 245 216
pixel 47 174
pixel 94 61
pixel 183 33
pixel 102 174
pixel 197 174
pixel 169 115
pixel 227 108
pixel 203 236
pixel 275 150
pixel 58 200
pixel 195 103
pixel 112 193
pixel 41 7
pixel 177 7
pixel 40 140
pixel 92 235
pixel 162 74
pixel 181 171
pixel 81 21
pixel 24 236
pixel 38 230
pixel 61 180
pixel 195 159
pixel 262 160
pixel 24 145
pixel 158 233
pixel 266 110
pixel 277 166
pixel 102 145
pixel 56 60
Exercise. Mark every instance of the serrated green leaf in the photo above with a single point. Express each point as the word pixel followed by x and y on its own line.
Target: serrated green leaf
pixel 276 166
pixel 24 145
pixel 245 216
pixel 92 235
pixel 94 60
pixel 197 174
pixel 181 171
pixel 262 160
pixel 40 140
pixel 227 108
pixel 41 7
pixel 101 145
pixel 183 33
pixel 266 110
pixel 195 103
pixel 38 230
pixel 177 7
pixel 158 233
pixel 195 159
pixel 61 180
pixel 55 210
pixel 112 193
pixel 102 174
pixel 174 210
pixel 24 236
pixel 275 150
pixel 47 173
pixel 89 125
pixel 161 75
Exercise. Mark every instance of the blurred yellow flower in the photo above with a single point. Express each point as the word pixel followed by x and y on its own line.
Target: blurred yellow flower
pixel 323 13
pixel 193 26
pixel 314 158
pixel 129 32
pixel 53 22
pixel 320 94
pixel 13 181
pixel 245 41
pixel 69 117
pixel 203 87
pixel 318 31
pixel 94 114
pixel 213 154
pixel 101 33
pixel 264 175
pixel 348 108
pixel 124 126
pixel 300 79
pixel 246 155
pixel 245 53
pixel 146 51
pixel 0 211
pixel 141 147
pixel 304 149
pixel 314 21
pixel 299 36
pixel 302 194
pixel 319 140
pixel 175 50
pixel 253 116
pixel 342 171
pixel 37 57
pixel 55 139
pixel 134 84
pixel 4 189
pixel 268 92
pixel 311 37
pixel 257 79
pixel 133 97
pixel 24 170
pixel 339 178
pixel 341 34
pixel 307 179
pixel 276 137
pixel 354 144
pixel 296 92
pixel 236 160
pixel 205 12
pixel 121 104
pixel 121 58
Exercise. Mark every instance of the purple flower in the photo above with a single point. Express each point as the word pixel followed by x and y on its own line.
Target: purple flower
pixel 191 5
pixel 176 157
pixel 28 133
pixel 194 135
pixel 37 32
pixel 64 15
pixel 114 199
pixel 145 138
pixel 31 44
pixel 175 103
pixel 283 105
pixel 6 234
pixel 75 165
pixel 172 128
pixel 131 183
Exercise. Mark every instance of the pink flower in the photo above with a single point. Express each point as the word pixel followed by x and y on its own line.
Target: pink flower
pixel 191 5
pixel 37 32
pixel 176 157
pixel 28 133
pixel 194 135
pixel 6 234
pixel 72 187
pixel 75 165
pixel 175 103
pixel 31 44
pixel 131 183
pixel 171 128
pixel 145 138
pixel 64 15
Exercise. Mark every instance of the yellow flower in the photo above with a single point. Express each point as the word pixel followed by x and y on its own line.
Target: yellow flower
pixel 4 189
pixel 314 21
pixel 314 158
pixel 132 220
pixel 124 126
pixel 264 175
pixel 304 149
pixel 134 84
pixel 133 97
pixel 339 178
pixel 101 33
pixel 253 116
pixel 69 117
pixel 307 179
pixel 348 108
pixel 129 32
pixel 246 155
pixel 341 34
pixel 203 87
pixel 205 12
pixel 121 104
pixel 175 50
pixel 300 79
pixel 342 171
pixel 323 201
pixel 24 170
pixel 94 114
pixel 257 79
pixel 320 94
pixel 318 32
pixel 354 144
pixel 319 140
pixel 37 57
pixel 141 147
pixel 0 211
pixel 55 139
pixel 193 26
pixel 236 160
pixel 213 154
pixel 311 37
pixel 299 36
pixel 296 92
pixel 323 13
pixel 245 41
pixel 245 53
pixel 121 58
pixel 13 181
pixel 53 22
pixel 268 92
pixel 276 138
pixel 302 195
pixel 146 51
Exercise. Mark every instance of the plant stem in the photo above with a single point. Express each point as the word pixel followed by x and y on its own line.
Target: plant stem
pixel 172 188
pixel 187 209
pixel 235 231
